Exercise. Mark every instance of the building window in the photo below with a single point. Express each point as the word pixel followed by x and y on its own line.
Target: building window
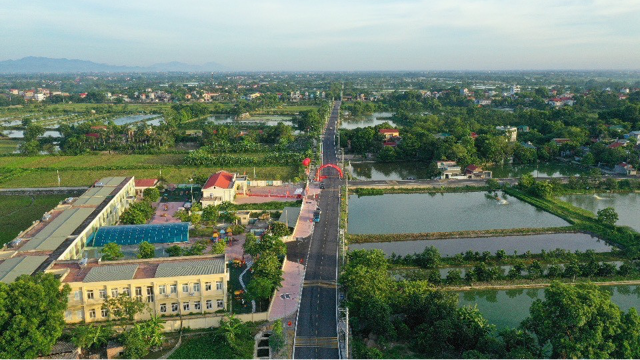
pixel 207 286
pixel 67 315
pixel 209 304
pixel 218 285
pixel 126 291
pixel 174 289
pixel 103 294
pixel 174 307
pixel 185 306
pixel 163 308
pixel 89 294
pixel 150 294
pixel 185 288
pixel 162 289
pixel 104 313
pixel 78 295
pixel 220 304
pixel 114 293
pixel 196 287
pixel 196 305
pixel 92 314
pixel 139 292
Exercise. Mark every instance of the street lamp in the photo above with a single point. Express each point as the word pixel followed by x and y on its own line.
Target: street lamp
pixel 191 182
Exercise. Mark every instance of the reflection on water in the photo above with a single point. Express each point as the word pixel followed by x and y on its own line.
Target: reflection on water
pixel 19 134
pixel 510 244
pixel 269 120
pixel 415 213
pixel 131 119
pixel 538 171
pixel 366 120
pixel 389 171
pixel 507 308
pixel 626 205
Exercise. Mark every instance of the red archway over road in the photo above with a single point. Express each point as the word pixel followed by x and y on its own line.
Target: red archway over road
pixel 320 178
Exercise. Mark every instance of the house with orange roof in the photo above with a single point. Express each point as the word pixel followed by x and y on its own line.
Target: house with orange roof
pixel 222 186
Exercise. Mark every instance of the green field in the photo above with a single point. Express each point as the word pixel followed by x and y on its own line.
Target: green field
pixel 8 146
pixel 17 212
pixel 85 161
pixel 177 175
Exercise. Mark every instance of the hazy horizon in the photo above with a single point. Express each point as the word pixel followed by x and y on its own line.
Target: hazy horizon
pixel 375 35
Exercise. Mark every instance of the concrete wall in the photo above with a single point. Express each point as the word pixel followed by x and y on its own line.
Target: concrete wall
pixel 203 322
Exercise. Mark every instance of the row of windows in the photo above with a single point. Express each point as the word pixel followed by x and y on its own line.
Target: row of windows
pixel 162 289
pixel 186 306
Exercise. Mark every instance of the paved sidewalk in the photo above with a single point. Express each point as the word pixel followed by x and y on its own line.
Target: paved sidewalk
pixel 305 222
pixel 284 305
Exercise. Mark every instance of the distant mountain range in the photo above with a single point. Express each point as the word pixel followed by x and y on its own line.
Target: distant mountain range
pixel 34 64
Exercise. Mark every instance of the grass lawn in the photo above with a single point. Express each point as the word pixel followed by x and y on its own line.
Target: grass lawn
pixel 9 146
pixel 176 175
pixel 207 347
pixel 17 212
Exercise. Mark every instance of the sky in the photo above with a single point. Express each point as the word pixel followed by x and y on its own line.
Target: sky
pixel 328 35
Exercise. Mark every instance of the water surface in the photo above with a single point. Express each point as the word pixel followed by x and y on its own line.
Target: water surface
pixel 626 205
pixel 389 171
pixel 537 171
pixel 366 120
pixel 520 244
pixel 507 308
pixel 416 213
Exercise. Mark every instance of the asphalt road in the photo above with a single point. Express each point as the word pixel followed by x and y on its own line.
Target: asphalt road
pixel 316 333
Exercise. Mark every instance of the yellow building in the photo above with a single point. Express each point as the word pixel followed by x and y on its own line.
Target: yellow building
pixel 169 286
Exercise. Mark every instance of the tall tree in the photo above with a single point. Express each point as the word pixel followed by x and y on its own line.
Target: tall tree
pixel 31 315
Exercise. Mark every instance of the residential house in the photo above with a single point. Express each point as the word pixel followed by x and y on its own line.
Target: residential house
pixel 523 128
pixel 560 141
pixel 483 102
pixel 510 132
pixel 450 170
pixel 476 172
pixel 389 133
pixel 142 184
pixel 625 169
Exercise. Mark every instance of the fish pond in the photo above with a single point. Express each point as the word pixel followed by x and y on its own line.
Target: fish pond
pixel 352 122
pixel 507 308
pixel 437 212
pixel 537 171
pixel 626 205
pixel 269 120
pixel 510 244
pixel 389 171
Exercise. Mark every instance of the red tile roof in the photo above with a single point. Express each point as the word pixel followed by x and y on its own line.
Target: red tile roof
pixel 93 135
pixel 616 145
pixel 221 179
pixel 146 182
pixel 473 167
pixel 390 143
pixel 388 131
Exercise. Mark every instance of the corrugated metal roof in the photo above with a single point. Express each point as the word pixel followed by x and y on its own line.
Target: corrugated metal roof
pixel 290 216
pixel 111 273
pixel 10 269
pixel 52 235
pixel 112 181
pixel 189 268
